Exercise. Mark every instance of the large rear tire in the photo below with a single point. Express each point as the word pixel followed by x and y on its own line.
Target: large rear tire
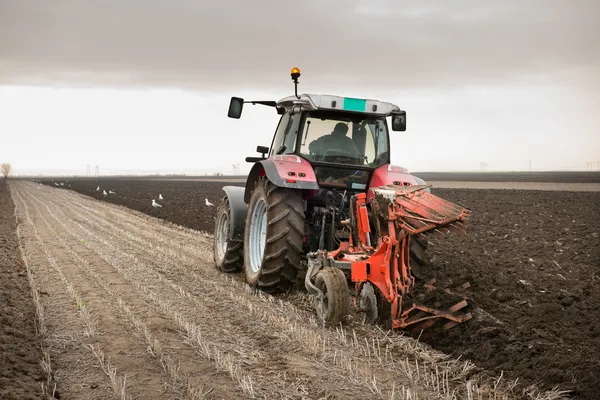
pixel 418 248
pixel 228 255
pixel 274 237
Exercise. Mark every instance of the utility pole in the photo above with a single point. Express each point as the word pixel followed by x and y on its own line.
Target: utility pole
pixel 87 170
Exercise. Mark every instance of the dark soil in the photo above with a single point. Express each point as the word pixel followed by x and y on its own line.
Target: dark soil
pixel 20 372
pixel 549 176
pixel 532 259
pixel 183 202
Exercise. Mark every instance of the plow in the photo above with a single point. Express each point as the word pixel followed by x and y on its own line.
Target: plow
pixel 379 262
pixel 325 199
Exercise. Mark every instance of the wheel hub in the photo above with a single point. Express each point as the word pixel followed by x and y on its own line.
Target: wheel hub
pixel 257 235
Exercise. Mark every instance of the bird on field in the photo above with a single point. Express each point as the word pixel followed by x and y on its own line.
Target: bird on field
pixel 98 188
pixel 160 197
pixel 62 184
pixel 155 204
pixel 111 192
pixel 208 203
pixel 104 192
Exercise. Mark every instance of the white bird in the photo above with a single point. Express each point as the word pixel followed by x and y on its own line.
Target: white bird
pixel 104 192
pixel 208 203
pixel 155 204
pixel 111 192
pixel 62 184
pixel 160 197
pixel 98 188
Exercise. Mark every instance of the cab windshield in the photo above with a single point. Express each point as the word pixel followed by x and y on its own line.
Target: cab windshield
pixel 343 139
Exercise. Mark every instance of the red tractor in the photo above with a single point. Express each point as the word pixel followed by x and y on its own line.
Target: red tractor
pixel 327 203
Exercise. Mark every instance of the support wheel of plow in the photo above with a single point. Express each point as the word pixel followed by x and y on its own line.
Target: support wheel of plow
pixel 367 304
pixel 333 306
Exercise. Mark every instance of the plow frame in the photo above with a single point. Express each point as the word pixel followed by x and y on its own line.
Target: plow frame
pixel 404 212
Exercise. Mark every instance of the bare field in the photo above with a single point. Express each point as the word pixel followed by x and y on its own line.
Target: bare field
pixel 134 308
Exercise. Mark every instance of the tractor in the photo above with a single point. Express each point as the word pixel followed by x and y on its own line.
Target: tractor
pixel 324 208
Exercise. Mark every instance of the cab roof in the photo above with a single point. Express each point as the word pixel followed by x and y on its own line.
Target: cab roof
pixel 338 103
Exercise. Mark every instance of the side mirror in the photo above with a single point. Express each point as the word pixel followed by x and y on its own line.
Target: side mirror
pixel 263 150
pixel 235 107
pixel 399 122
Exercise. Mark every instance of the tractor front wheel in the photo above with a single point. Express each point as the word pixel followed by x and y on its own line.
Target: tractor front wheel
pixel 274 237
pixel 228 255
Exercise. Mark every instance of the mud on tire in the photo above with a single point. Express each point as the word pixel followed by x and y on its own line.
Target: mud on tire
pixel 276 221
pixel 332 282
pixel 228 255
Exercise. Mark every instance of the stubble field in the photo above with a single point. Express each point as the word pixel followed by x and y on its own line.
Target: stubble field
pixel 134 303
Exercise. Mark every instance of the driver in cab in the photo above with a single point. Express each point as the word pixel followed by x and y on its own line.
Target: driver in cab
pixel 337 140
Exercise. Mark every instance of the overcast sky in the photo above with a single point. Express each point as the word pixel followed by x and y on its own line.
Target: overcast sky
pixel 144 85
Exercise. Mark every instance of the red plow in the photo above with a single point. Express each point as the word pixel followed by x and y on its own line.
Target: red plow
pixel 377 256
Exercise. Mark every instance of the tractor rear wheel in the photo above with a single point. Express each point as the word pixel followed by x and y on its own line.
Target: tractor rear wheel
pixel 274 237
pixel 418 247
pixel 228 255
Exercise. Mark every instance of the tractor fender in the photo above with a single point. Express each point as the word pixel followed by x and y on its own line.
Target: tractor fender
pixel 393 175
pixel 237 212
pixel 286 170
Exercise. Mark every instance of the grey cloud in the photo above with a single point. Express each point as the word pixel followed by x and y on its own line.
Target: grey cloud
pixel 230 44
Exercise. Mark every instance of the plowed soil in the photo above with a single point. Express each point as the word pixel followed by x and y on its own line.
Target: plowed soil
pixel 532 259
pixel 21 375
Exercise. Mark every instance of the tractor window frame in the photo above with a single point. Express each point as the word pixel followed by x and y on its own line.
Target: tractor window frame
pixel 385 156
pixel 283 130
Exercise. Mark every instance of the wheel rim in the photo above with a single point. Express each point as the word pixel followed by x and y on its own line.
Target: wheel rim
pixel 221 235
pixel 257 235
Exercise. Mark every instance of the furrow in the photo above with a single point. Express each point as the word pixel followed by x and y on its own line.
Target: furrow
pixel 70 325
pixel 181 364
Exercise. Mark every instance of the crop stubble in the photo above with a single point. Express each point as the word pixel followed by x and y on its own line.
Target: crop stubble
pixel 548 325
pixel 167 321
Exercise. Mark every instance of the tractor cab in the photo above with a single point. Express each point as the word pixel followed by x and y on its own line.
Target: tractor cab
pixel 343 139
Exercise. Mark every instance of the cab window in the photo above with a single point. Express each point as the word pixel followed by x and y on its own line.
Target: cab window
pixel 285 135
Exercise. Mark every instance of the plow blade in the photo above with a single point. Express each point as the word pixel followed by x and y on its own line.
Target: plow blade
pixel 419 318
pixel 415 211
pixel 418 211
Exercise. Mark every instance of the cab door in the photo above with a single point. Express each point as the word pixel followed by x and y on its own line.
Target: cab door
pixel 284 141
